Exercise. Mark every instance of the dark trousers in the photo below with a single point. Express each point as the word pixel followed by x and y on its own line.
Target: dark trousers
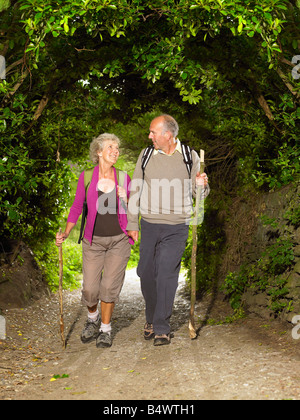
pixel 161 251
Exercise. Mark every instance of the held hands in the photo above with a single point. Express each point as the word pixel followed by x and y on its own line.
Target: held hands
pixel 134 234
pixel 201 179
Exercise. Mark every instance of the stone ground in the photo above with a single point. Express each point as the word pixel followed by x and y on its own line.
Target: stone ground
pixel 249 359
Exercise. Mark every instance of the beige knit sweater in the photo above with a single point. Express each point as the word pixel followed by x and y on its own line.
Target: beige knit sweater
pixel 165 196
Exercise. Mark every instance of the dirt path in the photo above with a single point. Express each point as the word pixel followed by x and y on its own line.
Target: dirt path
pixel 248 359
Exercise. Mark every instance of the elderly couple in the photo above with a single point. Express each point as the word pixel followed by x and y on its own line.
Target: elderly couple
pixel 110 232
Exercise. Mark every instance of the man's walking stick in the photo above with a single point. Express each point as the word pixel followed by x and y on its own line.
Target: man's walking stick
pixel 61 321
pixel 192 328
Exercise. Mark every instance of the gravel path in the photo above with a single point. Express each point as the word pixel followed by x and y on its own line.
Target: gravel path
pixel 247 359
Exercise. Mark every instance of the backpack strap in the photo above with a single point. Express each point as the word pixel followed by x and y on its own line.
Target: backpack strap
pixel 186 152
pixel 120 177
pixel 187 157
pixel 88 173
pixel 121 180
pixel 145 158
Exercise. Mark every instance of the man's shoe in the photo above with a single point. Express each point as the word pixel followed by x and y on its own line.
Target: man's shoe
pixel 104 340
pixel 148 331
pixel 162 339
pixel 90 331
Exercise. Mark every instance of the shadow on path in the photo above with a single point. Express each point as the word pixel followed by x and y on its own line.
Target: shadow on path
pixel 131 306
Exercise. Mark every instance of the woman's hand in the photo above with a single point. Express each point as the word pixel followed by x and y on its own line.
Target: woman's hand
pixel 60 238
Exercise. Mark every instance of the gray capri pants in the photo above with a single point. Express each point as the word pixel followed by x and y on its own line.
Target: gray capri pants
pixel 103 266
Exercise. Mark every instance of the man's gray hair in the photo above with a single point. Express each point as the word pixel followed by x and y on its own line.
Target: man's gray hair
pixel 97 145
pixel 170 124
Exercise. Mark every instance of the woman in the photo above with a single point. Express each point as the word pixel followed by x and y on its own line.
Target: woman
pixel 105 246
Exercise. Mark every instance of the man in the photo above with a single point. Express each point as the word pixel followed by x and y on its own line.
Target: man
pixel 164 201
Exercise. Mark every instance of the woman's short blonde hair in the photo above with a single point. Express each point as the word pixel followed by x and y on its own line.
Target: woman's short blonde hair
pixel 97 145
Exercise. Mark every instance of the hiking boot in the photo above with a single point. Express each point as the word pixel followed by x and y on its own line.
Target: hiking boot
pixel 162 339
pixel 148 331
pixel 104 340
pixel 90 331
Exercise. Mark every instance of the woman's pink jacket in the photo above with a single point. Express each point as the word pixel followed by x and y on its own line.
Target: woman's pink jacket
pixel 92 203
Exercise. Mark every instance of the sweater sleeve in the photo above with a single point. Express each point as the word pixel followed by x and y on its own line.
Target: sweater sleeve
pixel 134 199
pixel 76 208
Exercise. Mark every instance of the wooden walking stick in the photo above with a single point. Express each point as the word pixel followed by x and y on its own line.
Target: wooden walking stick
pixel 61 321
pixel 192 328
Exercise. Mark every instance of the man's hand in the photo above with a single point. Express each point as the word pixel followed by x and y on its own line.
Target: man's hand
pixel 201 179
pixel 134 234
